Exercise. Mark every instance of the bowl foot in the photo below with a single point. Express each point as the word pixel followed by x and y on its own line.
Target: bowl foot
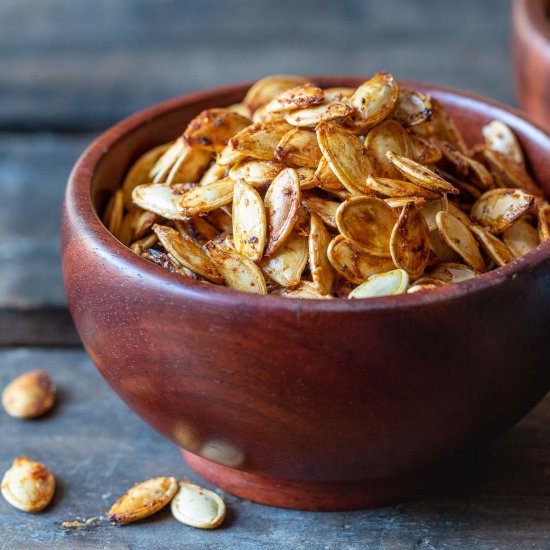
pixel 319 496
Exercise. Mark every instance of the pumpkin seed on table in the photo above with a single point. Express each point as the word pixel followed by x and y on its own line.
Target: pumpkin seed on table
pixel 29 395
pixel 143 500
pixel 355 181
pixel 28 485
pixel 198 507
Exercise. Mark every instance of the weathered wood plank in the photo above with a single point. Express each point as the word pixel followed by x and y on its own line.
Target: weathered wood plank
pixel 34 170
pixel 84 64
pixel 97 449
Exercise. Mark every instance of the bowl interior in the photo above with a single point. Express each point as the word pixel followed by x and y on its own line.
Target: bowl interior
pixel 111 155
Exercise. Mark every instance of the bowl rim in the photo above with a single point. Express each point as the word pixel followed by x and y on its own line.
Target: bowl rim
pixel 79 209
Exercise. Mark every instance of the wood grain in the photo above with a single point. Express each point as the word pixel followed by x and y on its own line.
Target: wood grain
pixel 86 64
pixel 97 449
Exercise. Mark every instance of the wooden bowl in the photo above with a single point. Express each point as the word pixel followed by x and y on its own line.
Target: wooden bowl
pixel 311 404
pixel 531 56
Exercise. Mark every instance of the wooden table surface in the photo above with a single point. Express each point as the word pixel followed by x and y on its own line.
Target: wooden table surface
pixel 71 68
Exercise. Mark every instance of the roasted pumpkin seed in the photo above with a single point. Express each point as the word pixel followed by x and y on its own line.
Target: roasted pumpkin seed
pixel 498 209
pixel 320 267
pixel 390 283
pixel 29 395
pixel 367 222
pixel 458 236
pixel 282 201
pixel 249 221
pixel 353 263
pixel 198 507
pixel 28 485
pixel 143 500
pixel 346 157
pixel 521 237
pixel 187 253
pixel 410 241
pixel 238 271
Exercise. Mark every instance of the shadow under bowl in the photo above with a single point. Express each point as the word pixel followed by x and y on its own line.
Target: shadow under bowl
pixel 310 404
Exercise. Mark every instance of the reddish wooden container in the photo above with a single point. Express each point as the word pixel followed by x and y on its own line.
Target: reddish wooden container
pixel 319 405
pixel 531 56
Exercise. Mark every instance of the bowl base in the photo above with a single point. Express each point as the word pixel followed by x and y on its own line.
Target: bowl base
pixel 319 496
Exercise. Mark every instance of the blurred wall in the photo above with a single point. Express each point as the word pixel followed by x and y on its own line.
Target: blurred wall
pixel 81 64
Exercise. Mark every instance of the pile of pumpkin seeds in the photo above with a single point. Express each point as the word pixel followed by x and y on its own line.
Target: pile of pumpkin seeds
pixel 306 192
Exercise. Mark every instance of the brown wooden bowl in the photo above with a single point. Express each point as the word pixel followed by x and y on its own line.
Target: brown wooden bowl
pixel 310 404
pixel 531 56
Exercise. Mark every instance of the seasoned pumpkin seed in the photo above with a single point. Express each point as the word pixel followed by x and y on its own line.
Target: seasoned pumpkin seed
pixel 187 253
pixel 353 263
pixel 238 271
pixel 320 267
pixel 421 175
pixel 498 209
pixel 346 157
pixel 28 485
pixel 410 241
pixel 143 500
pixel 205 198
pixel 390 283
pixel 311 116
pixel 521 237
pixel 493 246
pixel 282 201
pixel 198 507
pixel 458 236
pixel 367 222
pixel 249 221
pixel 286 264
pixel 29 395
